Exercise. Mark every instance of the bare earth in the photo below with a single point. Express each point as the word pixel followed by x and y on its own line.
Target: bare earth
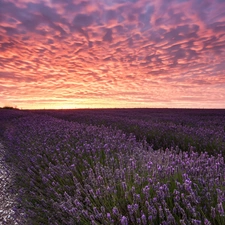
pixel 7 197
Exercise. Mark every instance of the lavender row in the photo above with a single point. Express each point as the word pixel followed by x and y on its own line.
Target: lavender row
pixel 72 173
pixel 8 114
pixel 202 129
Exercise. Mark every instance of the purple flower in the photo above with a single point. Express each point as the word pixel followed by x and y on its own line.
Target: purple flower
pixel 143 219
pixel 196 222
pixel 115 211
pixel 108 216
pixel 220 209
pixel 124 185
pixel 124 220
pixel 161 213
pixel 213 212
pixel 206 222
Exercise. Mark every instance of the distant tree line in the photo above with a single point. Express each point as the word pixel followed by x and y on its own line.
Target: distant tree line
pixel 9 107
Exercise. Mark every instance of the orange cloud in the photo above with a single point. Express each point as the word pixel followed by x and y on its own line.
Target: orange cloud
pixel 56 54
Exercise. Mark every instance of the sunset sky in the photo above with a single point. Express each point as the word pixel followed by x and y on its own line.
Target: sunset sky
pixel 112 53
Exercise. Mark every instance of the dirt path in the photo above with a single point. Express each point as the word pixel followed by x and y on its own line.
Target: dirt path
pixel 7 198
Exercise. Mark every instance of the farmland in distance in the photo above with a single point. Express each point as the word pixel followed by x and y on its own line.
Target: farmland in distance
pixel 117 166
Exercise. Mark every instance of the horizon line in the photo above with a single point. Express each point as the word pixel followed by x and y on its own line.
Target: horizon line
pixel 110 108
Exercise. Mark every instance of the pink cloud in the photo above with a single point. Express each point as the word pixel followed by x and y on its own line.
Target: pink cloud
pixel 116 52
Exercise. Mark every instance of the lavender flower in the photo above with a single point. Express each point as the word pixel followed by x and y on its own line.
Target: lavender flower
pixel 124 220
pixel 143 219
pixel 213 212
pixel 220 209
pixel 82 170
pixel 206 222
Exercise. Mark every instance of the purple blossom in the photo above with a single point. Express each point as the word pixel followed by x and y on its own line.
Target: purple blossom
pixel 206 222
pixel 213 212
pixel 115 211
pixel 124 185
pixel 220 209
pixel 124 220
pixel 79 169
pixel 143 219
pixel 196 222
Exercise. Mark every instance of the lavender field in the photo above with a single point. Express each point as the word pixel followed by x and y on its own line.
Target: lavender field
pixel 121 166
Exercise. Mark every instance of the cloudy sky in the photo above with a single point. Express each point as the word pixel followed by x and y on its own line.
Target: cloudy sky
pixel 112 53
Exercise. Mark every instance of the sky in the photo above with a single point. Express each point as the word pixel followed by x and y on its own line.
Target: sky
pixel 112 54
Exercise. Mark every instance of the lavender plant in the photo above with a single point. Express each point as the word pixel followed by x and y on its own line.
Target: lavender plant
pixel 73 173
pixel 162 128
